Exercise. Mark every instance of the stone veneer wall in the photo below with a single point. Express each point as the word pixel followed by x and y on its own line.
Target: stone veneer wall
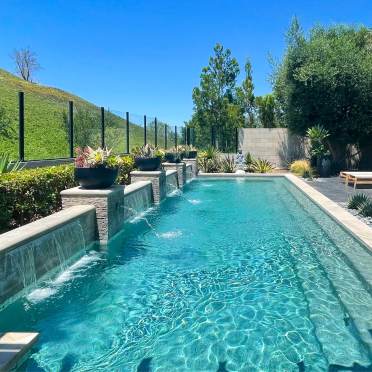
pixel 31 251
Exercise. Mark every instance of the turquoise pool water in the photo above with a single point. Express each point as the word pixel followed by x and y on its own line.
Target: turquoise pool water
pixel 232 275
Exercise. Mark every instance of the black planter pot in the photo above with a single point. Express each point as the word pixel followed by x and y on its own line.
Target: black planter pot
pixel 96 178
pixel 148 164
pixel 191 154
pixel 324 166
pixel 171 157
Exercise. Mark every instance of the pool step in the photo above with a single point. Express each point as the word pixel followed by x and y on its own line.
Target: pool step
pixel 326 311
pixel 355 296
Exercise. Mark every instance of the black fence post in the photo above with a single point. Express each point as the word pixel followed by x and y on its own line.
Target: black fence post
pixel 156 132
pixel 165 136
pixel 144 130
pixel 127 117
pixel 103 127
pixel 175 137
pixel 236 140
pixel 188 135
pixel 71 126
pixel 21 125
pixel 213 136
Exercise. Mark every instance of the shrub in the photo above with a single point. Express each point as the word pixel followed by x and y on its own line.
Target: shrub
pixel 357 201
pixel 227 165
pixel 366 209
pixel 249 161
pixel 208 160
pixel 126 166
pixel 262 166
pixel 32 193
pixel 301 168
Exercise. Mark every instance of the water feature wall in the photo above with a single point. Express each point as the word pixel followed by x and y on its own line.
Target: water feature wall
pixel 189 172
pixel 172 181
pixel 33 250
pixel 137 198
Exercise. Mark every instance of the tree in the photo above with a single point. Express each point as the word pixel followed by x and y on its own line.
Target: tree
pixel 246 96
pixel 26 63
pixel 215 100
pixel 266 111
pixel 326 79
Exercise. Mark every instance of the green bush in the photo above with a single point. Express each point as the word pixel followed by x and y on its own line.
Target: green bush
pixel 125 169
pixel 357 201
pixel 366 209
pixel 32 193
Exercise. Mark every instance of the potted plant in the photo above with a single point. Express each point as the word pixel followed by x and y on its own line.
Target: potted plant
pixel 319 151
pixel 147 158
pixel 173 155
pixel 96 169
pixel 190 152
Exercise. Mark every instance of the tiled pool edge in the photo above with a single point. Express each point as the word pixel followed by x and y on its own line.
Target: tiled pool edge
pixel 358 229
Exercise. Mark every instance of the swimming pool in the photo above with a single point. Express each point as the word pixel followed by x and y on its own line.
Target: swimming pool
pixel 232 274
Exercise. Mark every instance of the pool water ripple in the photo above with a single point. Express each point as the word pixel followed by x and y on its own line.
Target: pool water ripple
pixel 246 280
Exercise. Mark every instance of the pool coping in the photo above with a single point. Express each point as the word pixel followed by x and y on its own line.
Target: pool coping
pixel 14 346
pixel 358 229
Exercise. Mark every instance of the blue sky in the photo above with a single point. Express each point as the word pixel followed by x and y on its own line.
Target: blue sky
pixel 146 56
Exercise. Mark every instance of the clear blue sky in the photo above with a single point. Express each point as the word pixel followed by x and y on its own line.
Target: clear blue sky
pixel 146 56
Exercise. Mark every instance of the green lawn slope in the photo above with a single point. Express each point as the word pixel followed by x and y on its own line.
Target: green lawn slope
pixel 46 129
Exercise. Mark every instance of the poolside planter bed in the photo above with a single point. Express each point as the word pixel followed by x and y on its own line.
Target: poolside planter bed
pixel 96 178
pixel 148 164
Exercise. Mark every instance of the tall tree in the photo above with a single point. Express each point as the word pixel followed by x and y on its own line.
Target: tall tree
pixel 325 79
pixel 266 111
pixel 26 63
pixel 215 100
pixel 246 96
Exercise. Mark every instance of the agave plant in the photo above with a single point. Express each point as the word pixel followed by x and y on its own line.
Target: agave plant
pixel 6 165
pixel 357 201
pixel 262 166
pixel 366 209
pixel 211 153
pixel 317 136
pixel 227 165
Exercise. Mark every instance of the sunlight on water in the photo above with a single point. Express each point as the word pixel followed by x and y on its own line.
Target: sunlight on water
pixel 171 234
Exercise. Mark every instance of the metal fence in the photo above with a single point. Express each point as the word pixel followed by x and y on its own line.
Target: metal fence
pixel 95 127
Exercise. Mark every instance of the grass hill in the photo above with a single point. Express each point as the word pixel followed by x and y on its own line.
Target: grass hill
pixel 46 126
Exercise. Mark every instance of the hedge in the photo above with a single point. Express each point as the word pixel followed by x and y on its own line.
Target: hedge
pixel 30 194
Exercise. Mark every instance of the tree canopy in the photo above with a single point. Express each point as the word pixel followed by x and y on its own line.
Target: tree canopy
pixel 221 105
pixel 325 79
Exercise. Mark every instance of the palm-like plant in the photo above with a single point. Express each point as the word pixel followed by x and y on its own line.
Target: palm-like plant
pixel 317 136
pixel 262 166
pixel 6 165
pixel 227 165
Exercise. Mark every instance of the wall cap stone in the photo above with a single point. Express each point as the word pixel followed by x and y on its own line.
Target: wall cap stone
pixel 33 230
pixel 81 192
pixel 13 346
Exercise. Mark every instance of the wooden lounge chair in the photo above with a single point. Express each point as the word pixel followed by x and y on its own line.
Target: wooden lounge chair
pixel 358 178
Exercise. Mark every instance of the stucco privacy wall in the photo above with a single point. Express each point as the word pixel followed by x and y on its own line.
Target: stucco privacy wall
pixel 276 145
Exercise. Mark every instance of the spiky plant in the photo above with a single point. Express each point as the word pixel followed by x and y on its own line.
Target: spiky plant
pixel 366 209
pixel 249 160
pixel 262 166
pixel 7 166
pixel 357 201
pixel 227 164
